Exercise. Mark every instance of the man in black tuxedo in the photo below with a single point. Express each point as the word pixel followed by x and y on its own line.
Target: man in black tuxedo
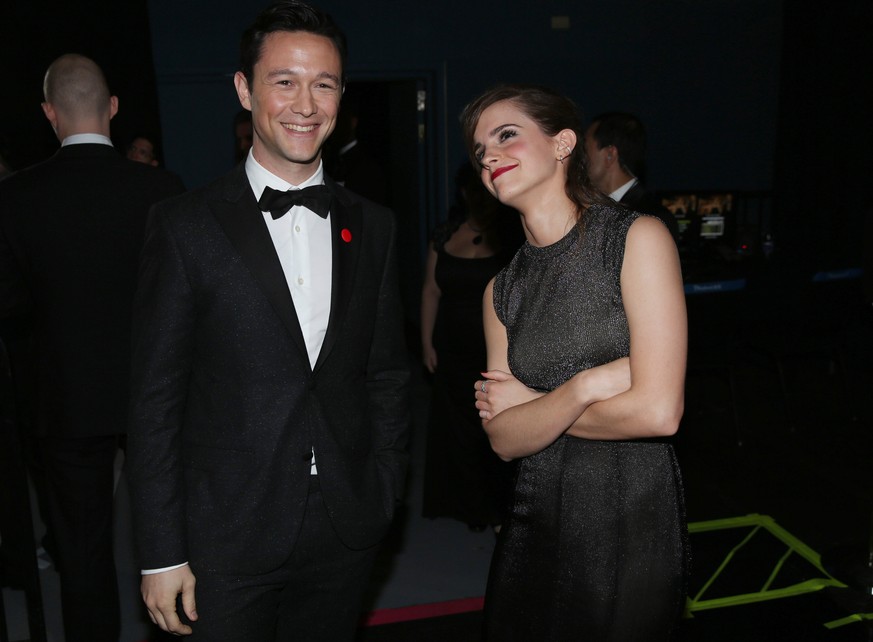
pixel 615 143
pixel 71 230
pixel 267 446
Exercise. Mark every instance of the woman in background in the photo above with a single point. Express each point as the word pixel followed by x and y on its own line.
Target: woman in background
pixel 463 477
pixel 586 341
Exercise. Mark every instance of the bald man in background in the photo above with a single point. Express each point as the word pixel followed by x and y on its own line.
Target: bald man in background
pixel 71 230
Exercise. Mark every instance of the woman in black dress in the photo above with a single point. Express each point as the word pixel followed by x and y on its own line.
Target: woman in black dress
pixel 463 478
pixel 586 341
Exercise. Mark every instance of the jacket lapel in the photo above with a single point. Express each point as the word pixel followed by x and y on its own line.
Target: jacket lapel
pixel 242 221
pixel 346 222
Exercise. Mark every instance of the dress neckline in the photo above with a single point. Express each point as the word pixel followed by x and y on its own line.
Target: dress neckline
pixel 570 239
pixel 557 248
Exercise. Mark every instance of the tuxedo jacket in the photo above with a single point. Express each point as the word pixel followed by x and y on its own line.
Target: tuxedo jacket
pixel 71 231
pixel 226 408
pixel 637 198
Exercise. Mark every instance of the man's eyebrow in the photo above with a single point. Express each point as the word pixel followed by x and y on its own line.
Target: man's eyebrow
pixel 281 72
pixel 329 76
pixel 293 72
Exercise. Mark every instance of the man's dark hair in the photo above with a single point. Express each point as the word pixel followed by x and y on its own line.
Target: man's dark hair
pixel 627 133
pixel 153 140
pixel 288 15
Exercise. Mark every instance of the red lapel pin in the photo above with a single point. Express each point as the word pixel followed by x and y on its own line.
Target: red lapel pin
pixel 346 235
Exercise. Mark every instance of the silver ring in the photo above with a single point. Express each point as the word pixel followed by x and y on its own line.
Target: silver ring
pixel 483 387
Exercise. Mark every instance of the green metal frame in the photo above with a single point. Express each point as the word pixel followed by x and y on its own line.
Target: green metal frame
pixel 794 547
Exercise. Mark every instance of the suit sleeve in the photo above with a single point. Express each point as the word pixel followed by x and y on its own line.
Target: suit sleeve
pixel 388 378
pixel 163 324
pixel 15 301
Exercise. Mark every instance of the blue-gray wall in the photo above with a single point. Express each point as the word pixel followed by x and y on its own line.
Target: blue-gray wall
pixel 703 75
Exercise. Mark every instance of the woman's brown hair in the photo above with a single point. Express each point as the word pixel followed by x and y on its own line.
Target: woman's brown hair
pixel 552 112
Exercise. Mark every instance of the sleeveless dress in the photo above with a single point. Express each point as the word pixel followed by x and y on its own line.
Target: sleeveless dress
pixel 594 548
pixel 463 478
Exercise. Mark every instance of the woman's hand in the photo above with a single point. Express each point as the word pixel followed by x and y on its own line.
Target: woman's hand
pixel 499 391
pixel 429 358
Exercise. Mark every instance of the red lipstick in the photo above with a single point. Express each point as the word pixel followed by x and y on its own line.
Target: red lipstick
pixel 501 170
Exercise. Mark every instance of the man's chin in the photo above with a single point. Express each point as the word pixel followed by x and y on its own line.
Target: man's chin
pixel 303 159
pixel 296 161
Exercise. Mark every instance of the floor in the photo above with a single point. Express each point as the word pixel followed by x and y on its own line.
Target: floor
pixel 801 454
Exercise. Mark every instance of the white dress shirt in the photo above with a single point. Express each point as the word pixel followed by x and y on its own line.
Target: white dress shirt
pixel 78 139
pixel 302 241
pixel 621 191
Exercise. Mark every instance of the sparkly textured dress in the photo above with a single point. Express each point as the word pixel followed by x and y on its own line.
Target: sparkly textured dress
pixel 594 548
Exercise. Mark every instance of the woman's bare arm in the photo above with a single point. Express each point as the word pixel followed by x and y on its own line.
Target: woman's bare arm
pixel 654 302
pixel 642 397
pixel 520 421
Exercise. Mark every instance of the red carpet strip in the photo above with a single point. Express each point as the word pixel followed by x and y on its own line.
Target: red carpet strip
pixel 422 611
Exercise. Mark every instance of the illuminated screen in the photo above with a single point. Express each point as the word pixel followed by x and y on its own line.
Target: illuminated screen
pixel 700 214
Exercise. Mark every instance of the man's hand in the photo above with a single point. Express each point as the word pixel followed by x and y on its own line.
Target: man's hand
pixel 159 591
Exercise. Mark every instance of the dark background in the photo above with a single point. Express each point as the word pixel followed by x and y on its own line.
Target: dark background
pixel 757 96
pixel 752 96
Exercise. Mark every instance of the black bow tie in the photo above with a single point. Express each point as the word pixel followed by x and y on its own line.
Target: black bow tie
pixel 314 197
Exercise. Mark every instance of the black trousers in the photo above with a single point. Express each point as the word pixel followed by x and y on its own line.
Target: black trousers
pixel 79 482
pixel 315 596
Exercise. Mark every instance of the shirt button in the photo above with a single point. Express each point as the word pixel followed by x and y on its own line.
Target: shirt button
pixel 307 456
pixel 300 280
pixel 296 228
